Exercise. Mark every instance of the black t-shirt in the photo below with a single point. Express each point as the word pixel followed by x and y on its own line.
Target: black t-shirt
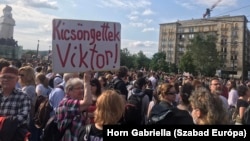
pixel 94 134
pixel 242 103
pixel 122 87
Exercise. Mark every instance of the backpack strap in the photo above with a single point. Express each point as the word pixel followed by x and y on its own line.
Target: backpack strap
pixel 116 82
pixel 87 129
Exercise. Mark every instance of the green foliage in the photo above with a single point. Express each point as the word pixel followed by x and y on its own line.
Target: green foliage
pixel 204 54
pixel 186 63
pixel 126 58
pixel 158 62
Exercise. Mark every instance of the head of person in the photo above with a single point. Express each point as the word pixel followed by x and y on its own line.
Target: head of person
pixel 167 92
pixel 140 83
pixel 103 81
pixel 74 88
pixel 95 87
pixel 42 79
pixel 207 108
pixel 109 108
pixel 26 76
pixel 215 86
pixel 231 84
pixel 186 91
pixel 109 77
pixel 4 63
pixel 8 78
pixel 122 72
pixel 196 83
pixel 67 76
pixel 243 91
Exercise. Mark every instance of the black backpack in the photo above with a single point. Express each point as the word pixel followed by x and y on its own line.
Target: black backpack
pixel 161 114
pixel 113 84
pixel 51 131
pixel 133 110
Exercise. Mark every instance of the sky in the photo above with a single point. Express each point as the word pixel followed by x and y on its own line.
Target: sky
pixel 140 19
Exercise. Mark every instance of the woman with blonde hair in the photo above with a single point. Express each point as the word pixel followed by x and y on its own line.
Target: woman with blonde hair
pixel 28 86
pixel 207 108
pixel 109 110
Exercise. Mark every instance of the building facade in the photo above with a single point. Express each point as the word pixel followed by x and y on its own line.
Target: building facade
pixel 232 43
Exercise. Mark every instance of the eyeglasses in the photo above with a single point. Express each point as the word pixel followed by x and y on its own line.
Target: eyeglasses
pixel 171 93
pixel 79 88
pixel 216 84
pixel 92 84
pixel 22 75
pixel 7 77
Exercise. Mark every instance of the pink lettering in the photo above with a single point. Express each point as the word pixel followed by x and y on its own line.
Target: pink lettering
pixel 97 60
pixel 62 32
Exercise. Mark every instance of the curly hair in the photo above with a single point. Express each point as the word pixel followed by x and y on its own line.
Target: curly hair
pixel 210 106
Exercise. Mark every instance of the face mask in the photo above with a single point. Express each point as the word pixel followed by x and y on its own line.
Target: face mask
pixel 195 120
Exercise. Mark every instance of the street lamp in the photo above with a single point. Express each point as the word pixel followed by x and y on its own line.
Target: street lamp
pixel 233 58
pixel 37 49
pixel 49 54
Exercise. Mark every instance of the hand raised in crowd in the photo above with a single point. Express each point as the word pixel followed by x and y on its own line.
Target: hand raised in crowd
pixel 87 76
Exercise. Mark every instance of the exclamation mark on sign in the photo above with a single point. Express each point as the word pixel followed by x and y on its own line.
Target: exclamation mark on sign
pixel 116 54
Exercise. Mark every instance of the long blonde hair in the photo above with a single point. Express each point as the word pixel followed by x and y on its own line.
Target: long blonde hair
pixel 109 108
pixel 29 76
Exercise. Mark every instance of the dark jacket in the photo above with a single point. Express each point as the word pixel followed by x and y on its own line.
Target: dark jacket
pixel 164 113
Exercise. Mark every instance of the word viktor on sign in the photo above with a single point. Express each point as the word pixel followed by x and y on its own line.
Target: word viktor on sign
pixel 79 45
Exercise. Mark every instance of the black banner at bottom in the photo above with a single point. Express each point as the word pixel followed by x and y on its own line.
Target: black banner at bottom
pixel 231 132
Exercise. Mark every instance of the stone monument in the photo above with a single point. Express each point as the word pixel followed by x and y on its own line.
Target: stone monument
pixel 8 46
pixel 7 24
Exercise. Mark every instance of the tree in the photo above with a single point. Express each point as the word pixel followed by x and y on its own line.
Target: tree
pixel 158 62
pixel 126 58
pixel 186 63
pixel 141 60
pixel 204 54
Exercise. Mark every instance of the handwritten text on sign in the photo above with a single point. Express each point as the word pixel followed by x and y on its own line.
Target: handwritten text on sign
pixel 79 45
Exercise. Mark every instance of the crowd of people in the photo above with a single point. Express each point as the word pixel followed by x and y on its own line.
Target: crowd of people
pixel 83 98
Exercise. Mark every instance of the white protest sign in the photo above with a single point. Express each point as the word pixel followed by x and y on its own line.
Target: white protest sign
pixel 79 45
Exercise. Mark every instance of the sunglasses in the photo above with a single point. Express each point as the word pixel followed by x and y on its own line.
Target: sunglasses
pixel 92 84
pixel 21 75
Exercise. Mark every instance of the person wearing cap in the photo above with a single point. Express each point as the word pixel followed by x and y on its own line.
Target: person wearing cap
pixel 14 103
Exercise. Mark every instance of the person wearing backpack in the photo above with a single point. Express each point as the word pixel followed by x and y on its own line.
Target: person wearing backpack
pixel 137 104
pixel 119 81
pixel 163 111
